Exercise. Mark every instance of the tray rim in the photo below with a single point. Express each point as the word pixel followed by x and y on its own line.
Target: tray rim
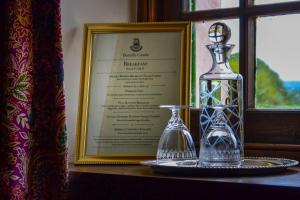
pixel 290 163
pixel 206 171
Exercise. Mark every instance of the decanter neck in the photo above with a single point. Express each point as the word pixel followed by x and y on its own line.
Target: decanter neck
pixel 220 55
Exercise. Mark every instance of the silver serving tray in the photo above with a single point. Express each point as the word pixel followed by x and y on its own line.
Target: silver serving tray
pixel 250 166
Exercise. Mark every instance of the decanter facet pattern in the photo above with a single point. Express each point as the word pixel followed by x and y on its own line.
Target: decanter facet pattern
pixel 213 98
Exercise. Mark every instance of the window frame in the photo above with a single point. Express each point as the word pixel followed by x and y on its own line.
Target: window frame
pixel 268 132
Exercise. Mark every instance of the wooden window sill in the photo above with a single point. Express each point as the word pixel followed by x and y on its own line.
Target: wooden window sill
pixel 139 182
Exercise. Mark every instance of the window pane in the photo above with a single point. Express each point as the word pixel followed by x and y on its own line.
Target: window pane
pixel 201 58
pixel 277 62
pixel 259 2
pixel 197 5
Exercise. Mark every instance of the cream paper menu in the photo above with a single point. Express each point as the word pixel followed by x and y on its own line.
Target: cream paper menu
pixel 131 75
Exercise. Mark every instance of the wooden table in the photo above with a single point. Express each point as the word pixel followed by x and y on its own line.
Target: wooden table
pixel 139 182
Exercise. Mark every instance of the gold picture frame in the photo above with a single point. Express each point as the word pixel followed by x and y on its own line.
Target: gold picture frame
pixel 128 70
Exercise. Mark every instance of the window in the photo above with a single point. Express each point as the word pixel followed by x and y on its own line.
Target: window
pixel 277 82
pixel 267 50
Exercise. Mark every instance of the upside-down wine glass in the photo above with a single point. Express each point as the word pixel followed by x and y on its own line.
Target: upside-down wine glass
pixel 176 143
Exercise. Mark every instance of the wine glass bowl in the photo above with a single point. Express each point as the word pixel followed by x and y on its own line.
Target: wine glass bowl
pixel 176 143
pixel 219 146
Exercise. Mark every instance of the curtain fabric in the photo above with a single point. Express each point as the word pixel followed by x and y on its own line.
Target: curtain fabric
pixel 33 161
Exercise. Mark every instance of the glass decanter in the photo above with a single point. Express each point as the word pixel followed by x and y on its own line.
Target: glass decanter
pixel 221 102
pixel 176 143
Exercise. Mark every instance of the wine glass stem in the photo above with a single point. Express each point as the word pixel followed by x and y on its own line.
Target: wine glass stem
pixel 175 115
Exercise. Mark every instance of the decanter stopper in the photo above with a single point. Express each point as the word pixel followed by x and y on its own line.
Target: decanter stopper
pixel 219 33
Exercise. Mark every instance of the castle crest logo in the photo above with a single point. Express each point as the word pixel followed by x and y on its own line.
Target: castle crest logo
pixel 136 46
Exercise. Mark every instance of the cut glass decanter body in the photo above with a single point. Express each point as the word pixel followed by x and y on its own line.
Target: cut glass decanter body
pixel 221 100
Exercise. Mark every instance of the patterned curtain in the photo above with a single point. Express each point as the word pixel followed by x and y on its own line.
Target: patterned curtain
pixel 33 163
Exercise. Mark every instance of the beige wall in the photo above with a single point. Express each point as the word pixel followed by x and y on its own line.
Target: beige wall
pixel 74 14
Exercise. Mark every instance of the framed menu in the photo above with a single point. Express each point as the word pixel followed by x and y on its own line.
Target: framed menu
pixel 128 70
